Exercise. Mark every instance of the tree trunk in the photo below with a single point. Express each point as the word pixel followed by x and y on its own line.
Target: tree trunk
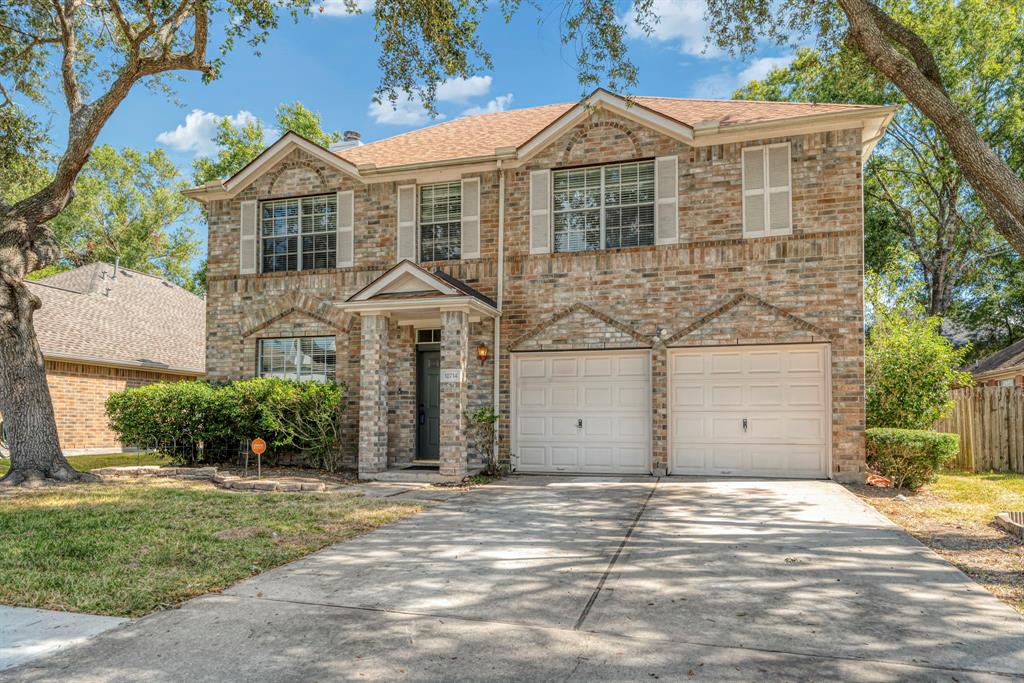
pixel 24 396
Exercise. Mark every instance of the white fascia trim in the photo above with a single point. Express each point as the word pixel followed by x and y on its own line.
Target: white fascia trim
pixel 271 155
pixel 1000 373
pixel 872 122
pixel 449 303
pixel 613 103
pixel 404 268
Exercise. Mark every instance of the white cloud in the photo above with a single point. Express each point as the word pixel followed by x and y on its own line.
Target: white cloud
pixel 497 104
pixel 462 89
pixel 724 84
pixel 404 112
pixel 338 8
pixel 196 134
pixel 759 68
pixel 681 21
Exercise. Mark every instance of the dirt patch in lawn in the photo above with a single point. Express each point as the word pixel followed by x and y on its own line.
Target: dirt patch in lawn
pixel 987 554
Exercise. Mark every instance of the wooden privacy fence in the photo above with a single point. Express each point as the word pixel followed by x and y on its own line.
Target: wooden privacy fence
pixel 990 422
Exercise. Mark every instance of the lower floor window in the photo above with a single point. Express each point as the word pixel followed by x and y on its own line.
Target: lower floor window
pixel 299 358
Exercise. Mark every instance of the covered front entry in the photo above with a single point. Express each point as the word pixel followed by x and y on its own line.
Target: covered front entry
pixel 408 296
pixel 750 410
pixel 582 411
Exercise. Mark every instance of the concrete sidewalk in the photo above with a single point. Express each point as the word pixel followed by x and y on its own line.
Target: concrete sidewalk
pixel 27 634
pixel 540 578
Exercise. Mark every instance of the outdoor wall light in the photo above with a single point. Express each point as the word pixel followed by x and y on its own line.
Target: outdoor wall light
pixel 481 353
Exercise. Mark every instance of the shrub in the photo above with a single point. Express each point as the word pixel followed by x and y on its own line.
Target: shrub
pixel 305 415
pixel 480 427
pixel 196 421
pixel 910 368
pixel 910 457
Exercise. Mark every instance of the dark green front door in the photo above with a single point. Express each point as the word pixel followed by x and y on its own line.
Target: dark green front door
pixel 428 405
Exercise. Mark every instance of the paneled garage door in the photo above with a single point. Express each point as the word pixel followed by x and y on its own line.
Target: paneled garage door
pixel 750 411
pixel 582 412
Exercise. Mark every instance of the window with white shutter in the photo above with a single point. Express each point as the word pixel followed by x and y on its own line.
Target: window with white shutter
pixel 248 242
pixel 470 218
pixel 767 190
pixel 346 229
pixel 540 212
pixel 406 238
pixel 610 207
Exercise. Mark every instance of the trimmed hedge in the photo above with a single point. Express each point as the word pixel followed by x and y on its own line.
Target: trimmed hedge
pixel 910 457
pixel 197 421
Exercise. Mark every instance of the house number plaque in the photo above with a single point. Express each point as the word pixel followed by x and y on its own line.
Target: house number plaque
pixel 451 376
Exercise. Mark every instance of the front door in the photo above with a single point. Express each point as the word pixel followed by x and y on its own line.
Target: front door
pixel 428 405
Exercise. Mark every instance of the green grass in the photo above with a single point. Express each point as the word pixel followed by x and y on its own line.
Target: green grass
pixel 84 463
pixel 130 547
pixel 977 497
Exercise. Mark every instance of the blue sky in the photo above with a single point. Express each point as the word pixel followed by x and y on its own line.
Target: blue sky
pixel 328 61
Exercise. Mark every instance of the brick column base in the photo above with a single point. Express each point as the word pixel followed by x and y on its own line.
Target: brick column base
pixel 454 359
pixel 373 395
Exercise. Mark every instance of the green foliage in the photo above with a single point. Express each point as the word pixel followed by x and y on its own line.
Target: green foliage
pixel 238 145
pixel 199 422
pixel 910 457
pixel 126 206
pixel 304 416
pixel 909 366
pixel 482 423
pixel 915 194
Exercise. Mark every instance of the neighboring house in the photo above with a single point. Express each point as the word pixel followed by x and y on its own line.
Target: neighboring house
pixel 102 331
pixel 1002 368
pixel 671 285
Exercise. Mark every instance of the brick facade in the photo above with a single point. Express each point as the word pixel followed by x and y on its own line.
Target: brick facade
pixel 79 392
pixel 713 287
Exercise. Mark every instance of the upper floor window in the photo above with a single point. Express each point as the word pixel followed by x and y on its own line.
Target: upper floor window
pixel 604 207
pixel 440 221
pixel 299 234
pixel 298 358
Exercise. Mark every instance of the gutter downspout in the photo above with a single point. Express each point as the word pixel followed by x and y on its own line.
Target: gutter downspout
pixel 497 320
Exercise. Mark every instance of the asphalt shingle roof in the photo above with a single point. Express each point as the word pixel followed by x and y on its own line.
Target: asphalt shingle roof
pixel 475 136
pixel 1011 356
pixel 133 319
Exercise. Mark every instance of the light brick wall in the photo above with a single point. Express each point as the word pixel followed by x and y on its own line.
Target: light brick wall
pixel 816 274
pixel 79 393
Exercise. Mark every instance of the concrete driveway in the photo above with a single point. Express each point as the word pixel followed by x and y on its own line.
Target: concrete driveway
pixel 584 579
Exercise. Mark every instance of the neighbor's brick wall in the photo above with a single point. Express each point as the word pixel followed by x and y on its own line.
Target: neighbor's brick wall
pixel 815 274
pixel 79 392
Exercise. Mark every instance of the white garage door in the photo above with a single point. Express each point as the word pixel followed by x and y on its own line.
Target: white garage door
pixel 751 411
pixel 582 412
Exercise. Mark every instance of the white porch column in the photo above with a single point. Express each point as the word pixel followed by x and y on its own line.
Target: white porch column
pixel 454 358
pixel 373 395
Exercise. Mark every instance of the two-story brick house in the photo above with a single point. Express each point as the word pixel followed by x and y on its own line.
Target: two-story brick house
pixel 665 285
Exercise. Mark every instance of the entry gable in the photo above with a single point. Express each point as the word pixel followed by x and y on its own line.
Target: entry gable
pixel 747 319
pixel 580 327
pixel 406 278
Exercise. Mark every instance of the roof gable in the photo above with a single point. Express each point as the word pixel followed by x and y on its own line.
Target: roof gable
pixel 405 278
pixel 580 326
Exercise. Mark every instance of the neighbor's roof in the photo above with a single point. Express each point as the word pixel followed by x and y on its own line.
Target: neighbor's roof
pixel 478 136
pixel 134 320
pixel 1004 359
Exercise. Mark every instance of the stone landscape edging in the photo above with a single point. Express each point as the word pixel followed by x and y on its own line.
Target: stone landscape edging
pixel 219 479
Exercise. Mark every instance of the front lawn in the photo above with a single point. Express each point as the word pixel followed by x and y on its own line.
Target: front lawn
pixel 84 463
pixel 954 518
pixel 129 547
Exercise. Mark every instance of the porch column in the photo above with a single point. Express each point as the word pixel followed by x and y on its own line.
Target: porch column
pixel 373 395
pixel 454 358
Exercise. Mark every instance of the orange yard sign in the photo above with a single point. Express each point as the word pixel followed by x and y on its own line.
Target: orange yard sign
pixel 259 446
